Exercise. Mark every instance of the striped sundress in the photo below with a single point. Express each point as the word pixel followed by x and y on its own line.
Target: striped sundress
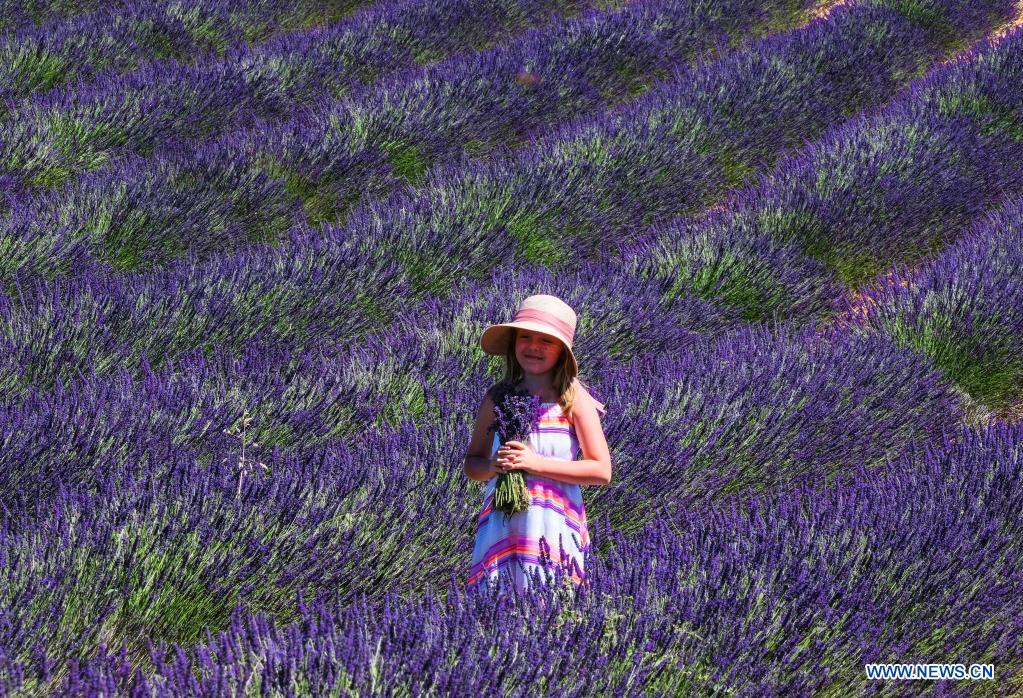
pixel 552 529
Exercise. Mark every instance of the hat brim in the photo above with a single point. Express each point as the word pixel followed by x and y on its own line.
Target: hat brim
pixel 495 339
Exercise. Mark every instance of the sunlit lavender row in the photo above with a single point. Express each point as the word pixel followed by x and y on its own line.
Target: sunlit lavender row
pixel 964 310
pixel 543 196
pixel 65 132
pixel 116 39
pixel 790 591
pixel 593 187
pixel 209 197
pixel 535 200
pixel 894 186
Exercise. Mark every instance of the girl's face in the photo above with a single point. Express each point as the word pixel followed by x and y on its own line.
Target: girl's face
pixel 536 352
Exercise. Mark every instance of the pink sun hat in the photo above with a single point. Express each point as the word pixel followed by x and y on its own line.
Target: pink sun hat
pixel 547 315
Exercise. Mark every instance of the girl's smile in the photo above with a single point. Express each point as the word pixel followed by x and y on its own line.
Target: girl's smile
pixel 537 353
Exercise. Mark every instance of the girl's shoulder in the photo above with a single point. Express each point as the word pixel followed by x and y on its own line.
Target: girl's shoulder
pixel 498 388
pixel 504 387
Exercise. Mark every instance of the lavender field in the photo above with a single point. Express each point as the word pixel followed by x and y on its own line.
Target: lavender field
pixel 247 250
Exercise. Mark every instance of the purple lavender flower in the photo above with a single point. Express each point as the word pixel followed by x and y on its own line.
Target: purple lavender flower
pixel 515 413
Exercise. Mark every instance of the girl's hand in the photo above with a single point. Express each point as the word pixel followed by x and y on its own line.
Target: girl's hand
pixel 516 455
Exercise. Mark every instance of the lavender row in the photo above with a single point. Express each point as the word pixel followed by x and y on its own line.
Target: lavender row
pixel 22 15
pixel 580 184
pixel 791 592
pixel 314 296
pixel 591 189
pixel 60 134
pixel 964 310
pixel 116 39
pixel 893 186
pixel 470 102
pixel 753 407
pixel 484 103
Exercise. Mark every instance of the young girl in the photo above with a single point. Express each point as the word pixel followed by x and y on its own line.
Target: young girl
pixel 537 346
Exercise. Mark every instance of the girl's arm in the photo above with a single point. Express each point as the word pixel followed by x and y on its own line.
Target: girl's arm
pixel 588 471
pixel 478 464
pixel 595 466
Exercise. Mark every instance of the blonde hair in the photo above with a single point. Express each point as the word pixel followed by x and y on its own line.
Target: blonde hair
pixel 562 377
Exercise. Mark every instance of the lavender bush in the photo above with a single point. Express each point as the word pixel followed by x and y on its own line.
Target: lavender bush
pixel 21 14
pixel 894 186
pixel 115 39
pixel 963 309
pixel 515 415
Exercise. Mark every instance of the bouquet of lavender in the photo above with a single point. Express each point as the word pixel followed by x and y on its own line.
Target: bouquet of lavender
pixel 515 414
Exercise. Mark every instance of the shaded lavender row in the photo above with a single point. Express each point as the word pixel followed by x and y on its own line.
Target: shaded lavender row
pixel 892 186
pixel 56 136
pixel 589 190
pixel 790 592
pixel 757 408
pixel 168 205
pixel 116 39
pixel 964 310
